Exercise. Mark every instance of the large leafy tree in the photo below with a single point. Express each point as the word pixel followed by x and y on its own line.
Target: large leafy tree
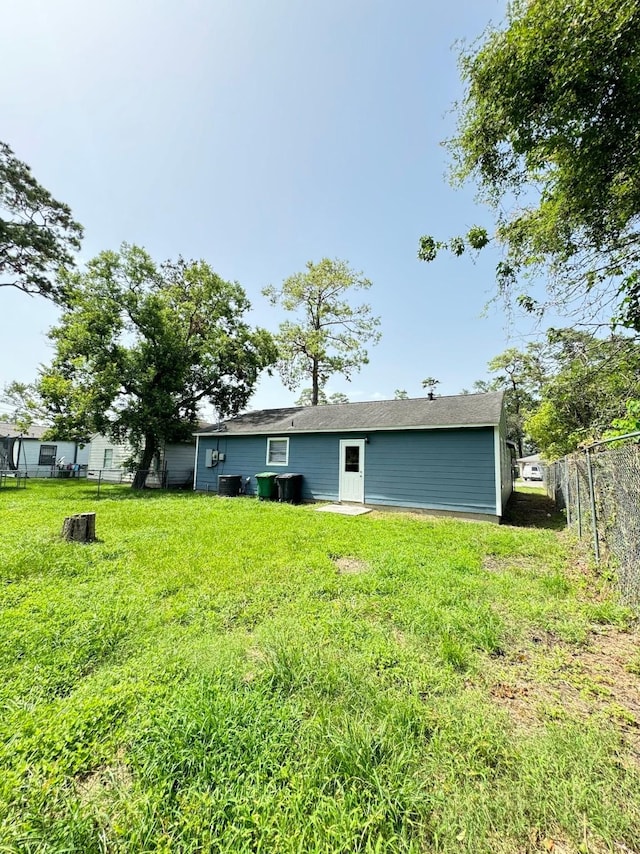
pixel 328 335
pixel 629 423
pixel 549 129
pixel 38 235
pixel 566 389
pixel 520 374
pixel 140 347
pixel 25 404
pixel 589 385
pixel 306 396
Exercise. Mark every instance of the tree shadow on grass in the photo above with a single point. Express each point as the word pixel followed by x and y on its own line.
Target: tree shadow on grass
pixel 533 510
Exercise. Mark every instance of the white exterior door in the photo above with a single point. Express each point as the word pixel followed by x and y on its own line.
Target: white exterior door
pixel 351 486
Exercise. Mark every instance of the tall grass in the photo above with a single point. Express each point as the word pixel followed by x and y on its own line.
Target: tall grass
pixel 204 678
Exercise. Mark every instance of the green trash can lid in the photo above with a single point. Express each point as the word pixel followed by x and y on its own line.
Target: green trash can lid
pixel 267 474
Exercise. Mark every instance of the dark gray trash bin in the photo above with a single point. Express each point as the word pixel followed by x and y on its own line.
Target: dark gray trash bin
pixel 289 488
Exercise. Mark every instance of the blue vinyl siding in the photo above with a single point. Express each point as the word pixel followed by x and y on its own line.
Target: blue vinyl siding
pixel 428 469
pixel 435 469
pixel 313 455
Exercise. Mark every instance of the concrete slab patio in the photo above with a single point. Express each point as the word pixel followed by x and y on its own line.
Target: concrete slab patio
pixel 344 509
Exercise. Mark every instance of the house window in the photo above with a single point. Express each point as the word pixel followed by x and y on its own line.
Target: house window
pixel 278 452
pixel 48 455
pixel 107 462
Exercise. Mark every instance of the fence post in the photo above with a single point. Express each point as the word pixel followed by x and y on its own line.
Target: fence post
pixel 578 507
pixel 592 499
pixel 99 481
pixel 568 490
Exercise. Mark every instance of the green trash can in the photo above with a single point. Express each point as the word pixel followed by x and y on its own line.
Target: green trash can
pixel 267 488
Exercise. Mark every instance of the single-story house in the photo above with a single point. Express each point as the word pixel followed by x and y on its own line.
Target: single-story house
pixel 25 451
pixel 172 467
pixel 447 454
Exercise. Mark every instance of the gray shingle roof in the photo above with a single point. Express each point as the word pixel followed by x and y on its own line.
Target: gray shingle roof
pixel 13 431
pixel 533 458
pixel 462 410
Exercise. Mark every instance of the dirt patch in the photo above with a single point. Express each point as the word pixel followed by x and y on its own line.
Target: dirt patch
pixel 95 787
pixel 555 842
pixel 503 691
pixel 492 563
pixel 256 657
pixel 607 662
pixel 350 565
pixel 553 679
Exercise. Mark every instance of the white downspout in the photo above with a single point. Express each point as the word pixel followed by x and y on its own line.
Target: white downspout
pixel 497 451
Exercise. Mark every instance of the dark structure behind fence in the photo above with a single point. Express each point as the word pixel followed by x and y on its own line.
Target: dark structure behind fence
pixel 600 489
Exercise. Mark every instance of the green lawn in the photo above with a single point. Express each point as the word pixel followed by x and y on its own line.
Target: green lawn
pixel 227 675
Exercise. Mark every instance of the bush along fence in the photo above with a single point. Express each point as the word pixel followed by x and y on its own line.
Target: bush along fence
pixel 600 489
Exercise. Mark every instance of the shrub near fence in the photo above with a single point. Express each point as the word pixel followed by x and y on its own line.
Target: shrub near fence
pixel 600 489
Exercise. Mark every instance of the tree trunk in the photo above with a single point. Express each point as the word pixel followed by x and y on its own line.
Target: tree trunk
pixel 517 408
pixel 80 528
pixel 314 384
pixel 150 448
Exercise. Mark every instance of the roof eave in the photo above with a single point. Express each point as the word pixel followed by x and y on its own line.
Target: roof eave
pixel 371 429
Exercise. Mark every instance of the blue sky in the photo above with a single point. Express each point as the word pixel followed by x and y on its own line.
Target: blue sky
pixel 260 135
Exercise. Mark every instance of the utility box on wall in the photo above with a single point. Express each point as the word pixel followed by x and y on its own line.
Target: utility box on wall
pixel 213 457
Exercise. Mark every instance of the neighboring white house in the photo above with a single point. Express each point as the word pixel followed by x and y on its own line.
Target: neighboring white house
pixel 173 467
pixel 109 458
pixel 531 468
pixel 25 451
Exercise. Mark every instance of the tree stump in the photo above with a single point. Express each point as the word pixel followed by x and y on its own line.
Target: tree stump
pixel 80 528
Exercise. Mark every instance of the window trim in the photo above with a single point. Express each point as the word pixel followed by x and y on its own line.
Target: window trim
pixel 104 458
pixel 271 439
pixel 52 455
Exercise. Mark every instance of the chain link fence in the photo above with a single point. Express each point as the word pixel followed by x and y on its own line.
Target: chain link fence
pixel 143 478
pixel 600 490
pixel 45 472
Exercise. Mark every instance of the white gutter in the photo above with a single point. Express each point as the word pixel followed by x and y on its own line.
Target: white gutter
pixel 195 466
